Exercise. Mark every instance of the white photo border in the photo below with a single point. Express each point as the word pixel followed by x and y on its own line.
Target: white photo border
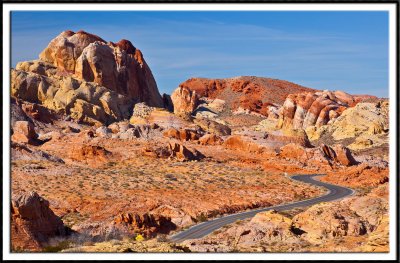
pixel 393 158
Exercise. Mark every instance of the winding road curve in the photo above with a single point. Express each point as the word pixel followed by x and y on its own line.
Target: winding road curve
pixel 335 192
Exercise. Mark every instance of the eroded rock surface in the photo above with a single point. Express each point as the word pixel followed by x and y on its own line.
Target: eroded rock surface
pixel 184 101
pixel 303 110
pixel 81 75
pixel 33 223
pixel 255 94
pixel 145 224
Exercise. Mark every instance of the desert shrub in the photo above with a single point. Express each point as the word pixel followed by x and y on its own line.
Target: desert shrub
pixel 162 238
pixel 57 248
pixel 170 177
pixel 201 218
pixel 139 237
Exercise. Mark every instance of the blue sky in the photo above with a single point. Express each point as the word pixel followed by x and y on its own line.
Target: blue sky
pixel 324 50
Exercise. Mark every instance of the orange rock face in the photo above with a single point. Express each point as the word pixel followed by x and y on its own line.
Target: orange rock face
pixel 361 175
pixel 145 224
pixel 181 134
pixel 33 222
pixel 90 154
pixel 117 66
pixel 242 143
pixel 250 93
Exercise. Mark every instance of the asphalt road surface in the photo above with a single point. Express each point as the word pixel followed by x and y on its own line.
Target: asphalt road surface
pixel 335 192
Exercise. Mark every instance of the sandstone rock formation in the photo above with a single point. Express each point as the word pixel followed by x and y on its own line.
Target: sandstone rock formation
pixel 337 154
pixel 141 110
pixel 117 66
pixel 90 154
pixel 328 221
pixel 182 134
pixel 178 217
pixel 350 217
pixel 81 75
pixel 21 151
pixel 378 241
pixel 32 112
pixel 324 227
pixel 287 135
pixel 213 127
pixel 184 101
pixel 63 50
pixel 146 224
pixel 363 175
pixel 365 121
pixel 250 93
pixel 210 139
pixel 242 143
pixel 24 132
pixel 162 117
pixel 182 153
pixel 33 223
pixel 83 101
pixel 267 226
pixel 302 110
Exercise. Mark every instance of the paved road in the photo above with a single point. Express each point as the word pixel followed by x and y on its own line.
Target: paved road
pixel 198 231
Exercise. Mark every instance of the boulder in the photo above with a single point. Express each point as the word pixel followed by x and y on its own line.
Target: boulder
pixel 294 151
pixel 24 132
pixel 339 154
pixel 90 154
pixel 210 139
pixel 33 223
pixel 184 101
pixel 117 127
pixel 141 110
pixel 213 127
pixel 286 135
pixel 329 220
pixel 103 132
pixel 182 153
pixel 265 227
